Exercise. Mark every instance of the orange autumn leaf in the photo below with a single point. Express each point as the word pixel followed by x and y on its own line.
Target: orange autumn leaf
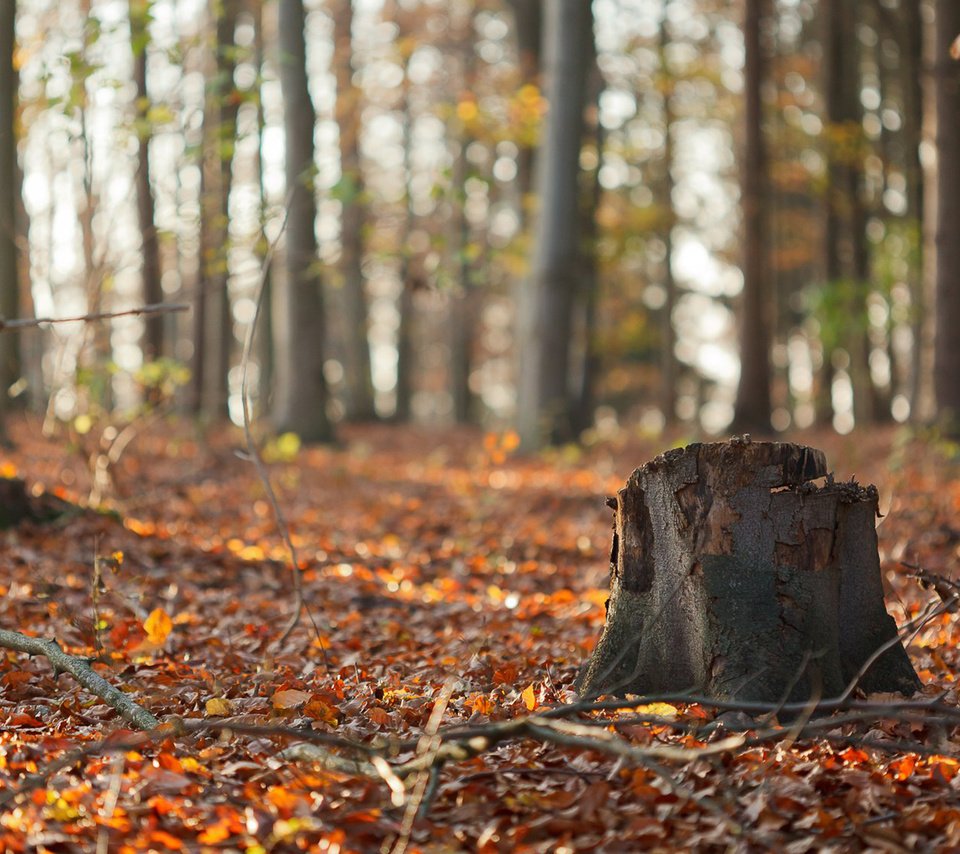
pixel 215 833
pixel 529 696
pixel 158 626
pixel 283 799
pixel 379 716
pixel 322 711
pixel 903 768
pixel 479 704
pixel 290 698
pixel 218 707
pixel 169 762
pixel 16 678
pixel 167 840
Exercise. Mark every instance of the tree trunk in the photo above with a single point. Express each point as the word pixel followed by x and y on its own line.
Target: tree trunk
pixel 464 303
pixel 150 268
pixel 528 25
pixel 406 307
pixel 847 254
pixel 302 390
pixel 753 394
pixel 9 292
pixel 545 312
pixel 357 377
pixel 669 368
pixel 911 77
pixel 947 348
pixel 588 296
pixel 734 576
pixel 266 348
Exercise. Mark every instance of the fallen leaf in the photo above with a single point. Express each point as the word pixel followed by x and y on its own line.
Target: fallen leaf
pixel 218 707
pixel 158 626
pixel 529 697
pixel 290 698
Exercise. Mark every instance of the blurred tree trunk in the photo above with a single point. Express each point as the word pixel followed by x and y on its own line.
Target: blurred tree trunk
pixel 31 348
pixel 589 291
pixel 302 394
pixel 357 377
pixel 223 138
pixel 547 298
pixel 669 369
pixel 405 302
pixel 265 349
pixel 947 349
pixel 464 301
pixel 910 34
pixel 213 321
pixel 847 256
pixel 97 357
pixel 528 26
pixel 753 394
pixel 152 342
pixel 9 290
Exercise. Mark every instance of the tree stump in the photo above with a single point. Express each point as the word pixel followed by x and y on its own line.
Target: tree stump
pixel 734 576
pixel 18 505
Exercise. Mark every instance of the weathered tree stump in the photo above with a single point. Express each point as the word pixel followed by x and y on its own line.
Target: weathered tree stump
pixel 735 576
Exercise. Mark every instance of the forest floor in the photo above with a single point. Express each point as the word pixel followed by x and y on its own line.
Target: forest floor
pixel 446 577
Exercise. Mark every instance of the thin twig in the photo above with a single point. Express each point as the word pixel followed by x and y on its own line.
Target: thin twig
pixel 427 782
pixel 31 322
pixel 253 452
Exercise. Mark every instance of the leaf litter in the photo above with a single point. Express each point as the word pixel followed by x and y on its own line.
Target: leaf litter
pixel 439 569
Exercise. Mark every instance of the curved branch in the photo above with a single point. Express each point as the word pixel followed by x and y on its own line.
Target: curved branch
pixel 80 669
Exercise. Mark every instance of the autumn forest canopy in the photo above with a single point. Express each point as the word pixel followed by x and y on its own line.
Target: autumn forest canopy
pixel 328 328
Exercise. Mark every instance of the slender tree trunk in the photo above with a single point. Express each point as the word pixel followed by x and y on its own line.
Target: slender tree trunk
pixel 405 349
pixel 99 355
pixel 32 348
pixel 947 348
pixel 463 302
pixel 265 332
pixel 546 306
pixel 358 380
pixel 302 390
pixel 9 290
pixel 528 20
pixel 911 81
pixel 753 394
pixel 152 343
pixel 405 301
pixel 669 370
pixel 847 255
pixel 585 397
pixel 214 321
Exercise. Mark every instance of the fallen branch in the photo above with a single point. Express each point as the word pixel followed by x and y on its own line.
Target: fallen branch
pixel 80 669
pixel 459 744
pixel 31 322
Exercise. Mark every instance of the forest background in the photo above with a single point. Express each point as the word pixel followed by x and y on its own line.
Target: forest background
pixel 575 232
pixel 775 181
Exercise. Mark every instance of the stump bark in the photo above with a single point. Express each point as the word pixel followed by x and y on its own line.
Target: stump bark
pixel 733 575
